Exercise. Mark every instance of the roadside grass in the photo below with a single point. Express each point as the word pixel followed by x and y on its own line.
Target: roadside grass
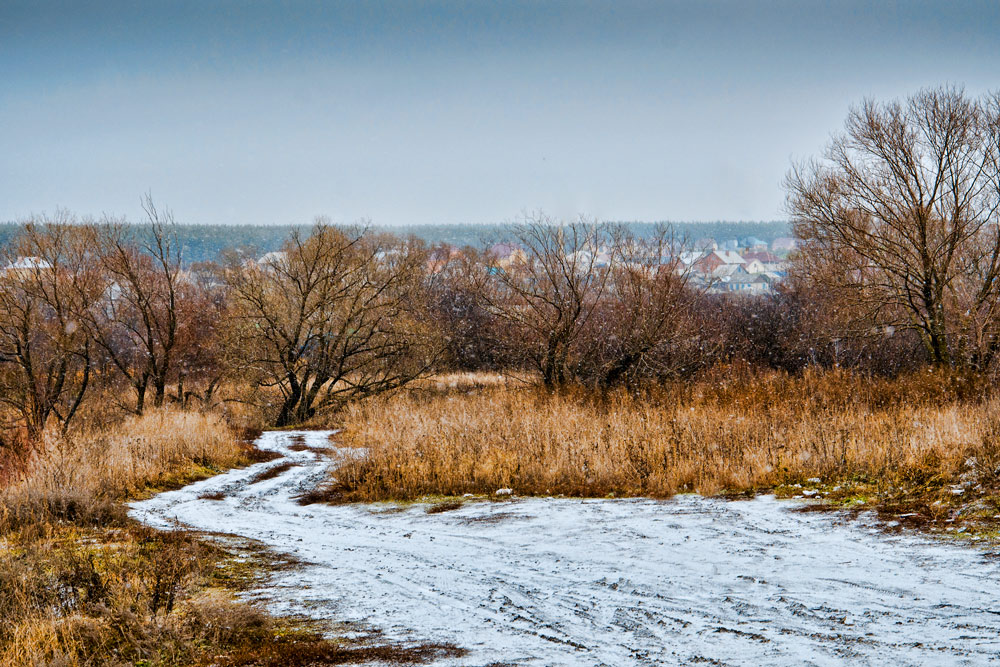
pixel 926 446
pixel 81 584
pixel 138 456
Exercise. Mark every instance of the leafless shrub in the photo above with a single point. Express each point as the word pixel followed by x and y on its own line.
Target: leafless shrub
pixel 547 289
pixel 337 315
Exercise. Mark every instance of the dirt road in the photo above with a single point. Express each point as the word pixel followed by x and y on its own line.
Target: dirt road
pixel 605 582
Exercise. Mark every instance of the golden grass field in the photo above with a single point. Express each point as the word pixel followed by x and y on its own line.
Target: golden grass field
pixel 899 441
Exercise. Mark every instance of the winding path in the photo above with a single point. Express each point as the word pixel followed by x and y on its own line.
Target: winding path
pixel 605 582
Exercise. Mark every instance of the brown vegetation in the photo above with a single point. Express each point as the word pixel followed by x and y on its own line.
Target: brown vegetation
pixel 610 372
pixel 901 220
pixel 46 358
pixel 734 431
pixel 138 453
pixel 272 472
pixel 333 317
pixel 81 584
pixel 84 585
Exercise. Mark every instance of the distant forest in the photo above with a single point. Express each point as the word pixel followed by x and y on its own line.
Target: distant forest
pixel 202 243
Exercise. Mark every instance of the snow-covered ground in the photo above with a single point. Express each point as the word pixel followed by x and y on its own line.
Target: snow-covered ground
pixel 607 582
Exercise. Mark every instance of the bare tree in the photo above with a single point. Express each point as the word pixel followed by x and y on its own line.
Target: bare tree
pixel 644 319
pixel 334 316
pixel 45 356
pixel 136 324
pixel 901 218
pixel 547 288
pixel 198 361
pixel 474 338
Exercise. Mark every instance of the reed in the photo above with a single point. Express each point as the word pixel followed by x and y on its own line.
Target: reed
pixel 732 431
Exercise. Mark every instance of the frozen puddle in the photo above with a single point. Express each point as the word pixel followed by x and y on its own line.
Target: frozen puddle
pixel 606 582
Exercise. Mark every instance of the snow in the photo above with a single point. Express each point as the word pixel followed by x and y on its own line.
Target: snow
pixel 30 263
pixel 606 582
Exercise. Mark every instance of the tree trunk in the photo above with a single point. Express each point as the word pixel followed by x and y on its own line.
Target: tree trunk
pixel 289 406
pixel 140 395
pixel 619 370
pixel 159 389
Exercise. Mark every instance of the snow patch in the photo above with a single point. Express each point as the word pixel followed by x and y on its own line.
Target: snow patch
pixel 604 582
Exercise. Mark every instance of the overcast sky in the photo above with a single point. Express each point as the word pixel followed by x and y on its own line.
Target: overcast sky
pixel 240 112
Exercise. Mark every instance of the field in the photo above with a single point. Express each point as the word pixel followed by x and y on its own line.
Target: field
pixel 925 446
pixel 85 584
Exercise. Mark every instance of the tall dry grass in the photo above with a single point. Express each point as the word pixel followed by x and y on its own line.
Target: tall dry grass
pixel 136 452
pixel 733 431
pixel 84 477
pixel 79 583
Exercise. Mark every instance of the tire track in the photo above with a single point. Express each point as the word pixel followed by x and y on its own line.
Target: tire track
pixel 604 582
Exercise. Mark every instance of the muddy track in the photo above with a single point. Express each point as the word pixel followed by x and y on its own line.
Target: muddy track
pixel 604 582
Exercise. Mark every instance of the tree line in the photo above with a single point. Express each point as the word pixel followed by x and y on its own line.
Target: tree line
pixel 208 242
pixel 898 268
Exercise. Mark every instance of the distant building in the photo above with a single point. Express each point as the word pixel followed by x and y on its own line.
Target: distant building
pixel 22 267
pixel 689 257
pixel 726 272
pixel 783 245
pixel 441 257
pixel 272 259
pixel 710 262
pixel 763 255
pixel 29 264
pixel 506 254
pixel 759 283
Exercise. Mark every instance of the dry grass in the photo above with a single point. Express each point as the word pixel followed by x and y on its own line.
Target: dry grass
pixel 272 472
pixel 734 431
pixel 137 453
pixel 315 652
pixel 86 596
pixel 83 479
pixel 465 381
pixel 81 584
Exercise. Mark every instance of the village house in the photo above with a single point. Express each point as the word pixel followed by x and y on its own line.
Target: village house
pixel 441 257
pixel 783 245
pixel 22 265
pixel 709 263
pixel 506 254
pixel 760 283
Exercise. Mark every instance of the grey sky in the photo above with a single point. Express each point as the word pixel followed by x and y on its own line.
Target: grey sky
pixel 451 112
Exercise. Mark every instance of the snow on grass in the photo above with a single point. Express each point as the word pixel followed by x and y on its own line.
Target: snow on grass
pixel 604 582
